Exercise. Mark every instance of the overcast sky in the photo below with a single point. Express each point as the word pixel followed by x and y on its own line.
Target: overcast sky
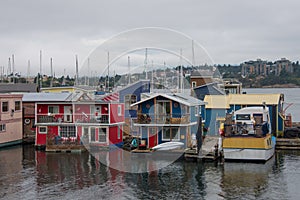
pixel 231 31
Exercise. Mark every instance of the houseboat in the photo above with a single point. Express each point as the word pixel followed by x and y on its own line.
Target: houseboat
pixel 163 117
pixel 11 119
pixel 78 120
pixel 248 135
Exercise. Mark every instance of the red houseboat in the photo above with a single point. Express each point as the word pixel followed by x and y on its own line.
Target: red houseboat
pixel 79 120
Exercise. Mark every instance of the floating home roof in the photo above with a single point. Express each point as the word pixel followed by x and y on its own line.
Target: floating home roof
pixel 224 101
pixel 178 97
pixel 54 97
pixel 18 87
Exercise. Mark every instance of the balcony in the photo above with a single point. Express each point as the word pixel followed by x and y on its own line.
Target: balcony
pixel 146 118
pixel 75 118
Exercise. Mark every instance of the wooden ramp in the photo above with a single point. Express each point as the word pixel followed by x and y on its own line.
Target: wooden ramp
pixel 208 150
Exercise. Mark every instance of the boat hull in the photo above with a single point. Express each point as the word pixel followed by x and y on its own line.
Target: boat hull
pixel 248 154
pixel 249 148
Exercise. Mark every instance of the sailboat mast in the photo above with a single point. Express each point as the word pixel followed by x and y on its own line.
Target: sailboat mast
pixel 28 71
pixel 129 74
pixel 77 75
pixel 41 76
pixel 108 70
pixel 51 68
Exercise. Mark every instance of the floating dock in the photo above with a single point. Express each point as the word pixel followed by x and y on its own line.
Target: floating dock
pixel 209 150
pixel 288 143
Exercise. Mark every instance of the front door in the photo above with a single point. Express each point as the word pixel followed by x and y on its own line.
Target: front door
pixel 152 137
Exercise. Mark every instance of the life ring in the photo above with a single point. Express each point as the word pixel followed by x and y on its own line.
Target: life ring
pixel 27 121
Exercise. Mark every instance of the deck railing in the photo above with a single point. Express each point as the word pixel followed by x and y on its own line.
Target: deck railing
pixel 73 118
pixel 258 130
pixel 146 118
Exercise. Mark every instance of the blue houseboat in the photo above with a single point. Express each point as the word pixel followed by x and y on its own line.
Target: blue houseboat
pixel 164 117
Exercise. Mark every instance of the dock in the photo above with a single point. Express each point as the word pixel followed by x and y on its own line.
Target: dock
pixel 65 148
pixel 209 150
pixel 288 143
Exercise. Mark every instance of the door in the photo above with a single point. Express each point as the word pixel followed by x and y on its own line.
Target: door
pixel 152 137
pixel 163 110
pixel 67 113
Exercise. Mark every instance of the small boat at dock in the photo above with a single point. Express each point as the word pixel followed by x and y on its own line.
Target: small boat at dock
pixel 168 146
pixel 247 135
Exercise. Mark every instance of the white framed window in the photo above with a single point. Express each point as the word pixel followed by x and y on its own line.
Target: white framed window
pixel 93 134
pixel 17 105
pixel 119 110
pixel 2 127
pixel 129 99
pixel 53 109
pixel 102 134
pixel 43 129
pixel 67 131
pixel 171 134
pixel 5 106
pixel 194 84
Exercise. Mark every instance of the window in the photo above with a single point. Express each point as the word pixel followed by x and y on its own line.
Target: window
pixel 170 134
pixel 93 134
pixel 33 123
pixel 129 99
pixel 17 105
pixel 119 132
pixel 68 131
pixel 53 109
pixel 102 135
pixel 119 110
pixel 43 129
pixel 5 106
pixel 2 127
pixel 194 84
pixel 243 117
pixel 196 110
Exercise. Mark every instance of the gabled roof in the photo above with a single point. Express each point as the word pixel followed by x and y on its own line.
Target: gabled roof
pixel 180 98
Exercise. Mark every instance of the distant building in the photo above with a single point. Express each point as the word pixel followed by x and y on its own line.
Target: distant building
pixel 261 67
pixel 201 77
pixel 71 89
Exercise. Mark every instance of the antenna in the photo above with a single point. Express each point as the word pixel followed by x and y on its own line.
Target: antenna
pixel 129 74
pixel 51 82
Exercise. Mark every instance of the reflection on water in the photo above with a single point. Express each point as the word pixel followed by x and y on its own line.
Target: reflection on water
pixel 29 174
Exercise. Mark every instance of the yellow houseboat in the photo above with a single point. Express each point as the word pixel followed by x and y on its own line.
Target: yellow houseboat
pixel 248 135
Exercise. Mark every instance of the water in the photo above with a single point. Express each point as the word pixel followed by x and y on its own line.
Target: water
pixel 29 174
pixel 291 95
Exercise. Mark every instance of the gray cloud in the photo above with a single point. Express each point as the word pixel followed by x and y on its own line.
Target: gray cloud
pixel 232 31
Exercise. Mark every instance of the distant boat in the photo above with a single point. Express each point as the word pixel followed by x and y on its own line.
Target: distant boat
pixel 168 146
pixel 248 135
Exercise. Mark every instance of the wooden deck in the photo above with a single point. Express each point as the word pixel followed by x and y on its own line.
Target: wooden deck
pixel 65 148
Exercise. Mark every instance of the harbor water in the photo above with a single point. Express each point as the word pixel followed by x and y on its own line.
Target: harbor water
pixel 29 174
